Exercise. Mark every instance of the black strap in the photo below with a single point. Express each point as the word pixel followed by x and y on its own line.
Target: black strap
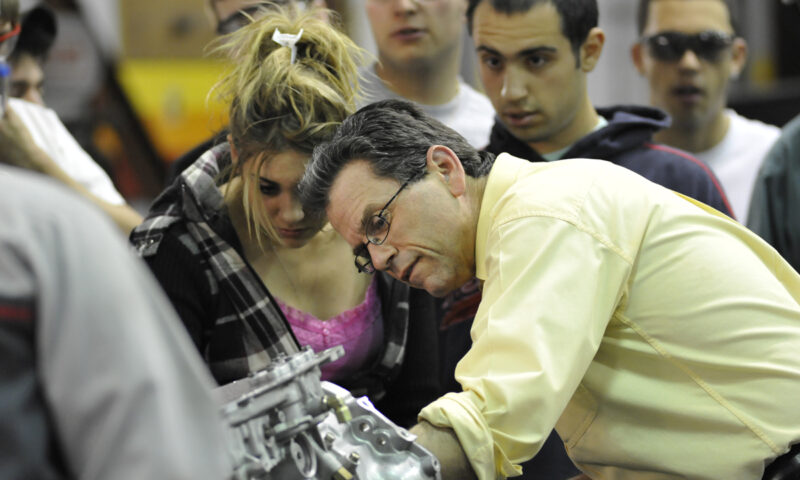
pixel 785 467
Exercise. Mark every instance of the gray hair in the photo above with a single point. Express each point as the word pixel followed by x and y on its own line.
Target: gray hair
pixel 393 136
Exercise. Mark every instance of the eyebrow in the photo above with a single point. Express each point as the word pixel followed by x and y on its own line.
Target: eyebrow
pixel 522 53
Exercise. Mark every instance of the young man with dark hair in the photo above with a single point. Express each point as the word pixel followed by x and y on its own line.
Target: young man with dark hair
pixel 689 51
pixel 611 309
pixel 535 57
pixel 34 43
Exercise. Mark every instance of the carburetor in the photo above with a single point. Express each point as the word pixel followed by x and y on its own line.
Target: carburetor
pixel 285 423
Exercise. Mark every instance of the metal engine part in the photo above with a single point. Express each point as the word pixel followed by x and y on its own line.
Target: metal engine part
pixel 287 424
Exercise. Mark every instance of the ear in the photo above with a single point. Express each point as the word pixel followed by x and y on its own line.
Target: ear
pixel 446 166
pixel 591 49
pixel 738 56
pixel 234 151
pixel 637 55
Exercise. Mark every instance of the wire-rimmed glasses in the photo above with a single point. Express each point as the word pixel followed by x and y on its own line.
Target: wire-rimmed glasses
pixel 376 231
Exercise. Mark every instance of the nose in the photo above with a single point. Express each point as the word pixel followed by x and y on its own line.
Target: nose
pixel 689 61
pixel 381 255
pixel 291 209
pixel 513 84
pixel 33 95
pixel 404 7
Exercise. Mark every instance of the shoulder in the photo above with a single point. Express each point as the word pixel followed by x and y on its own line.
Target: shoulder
pixel 474 99
pixel 173 247
pixel 45 229
pixel 30 201
pixel 166 218
pixel 678 170
pixel 657 161
pixel 785 153
pixel 749 129
pixel 371 87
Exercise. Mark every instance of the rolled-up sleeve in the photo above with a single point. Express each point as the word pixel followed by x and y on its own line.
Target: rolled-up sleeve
pixel 551 287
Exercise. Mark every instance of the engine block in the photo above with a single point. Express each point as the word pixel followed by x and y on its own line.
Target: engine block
pixel 285 423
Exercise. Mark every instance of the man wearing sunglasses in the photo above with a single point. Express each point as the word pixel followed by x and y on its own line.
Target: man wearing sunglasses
pixel 658 336
pixel 689 51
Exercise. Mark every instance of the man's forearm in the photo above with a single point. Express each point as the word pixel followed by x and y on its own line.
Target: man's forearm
pixel 443 443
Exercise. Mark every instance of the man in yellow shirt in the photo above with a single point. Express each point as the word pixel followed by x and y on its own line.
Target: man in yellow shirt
pixel 660 338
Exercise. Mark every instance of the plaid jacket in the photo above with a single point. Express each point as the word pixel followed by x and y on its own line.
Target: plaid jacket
pixel 188 222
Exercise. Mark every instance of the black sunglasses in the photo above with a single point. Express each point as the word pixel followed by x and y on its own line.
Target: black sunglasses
pixel 671 46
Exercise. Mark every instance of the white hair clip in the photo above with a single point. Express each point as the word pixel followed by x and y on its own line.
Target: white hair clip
pixel 287 40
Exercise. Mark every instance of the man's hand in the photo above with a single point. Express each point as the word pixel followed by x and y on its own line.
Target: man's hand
pixel 443 443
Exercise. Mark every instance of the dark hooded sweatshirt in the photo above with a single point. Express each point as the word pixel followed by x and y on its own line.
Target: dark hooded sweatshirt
pixel 627 141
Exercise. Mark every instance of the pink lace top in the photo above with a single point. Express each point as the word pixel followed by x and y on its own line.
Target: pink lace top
pixel 359 330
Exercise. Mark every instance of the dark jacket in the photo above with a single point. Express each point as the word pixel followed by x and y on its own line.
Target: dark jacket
pixel 627 141
pixel 774 206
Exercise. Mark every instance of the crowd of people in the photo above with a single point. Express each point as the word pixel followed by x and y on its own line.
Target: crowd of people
pixel 532 284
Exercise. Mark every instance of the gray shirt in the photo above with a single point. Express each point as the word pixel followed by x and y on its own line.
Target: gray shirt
pixel 469 113
pixel 98 379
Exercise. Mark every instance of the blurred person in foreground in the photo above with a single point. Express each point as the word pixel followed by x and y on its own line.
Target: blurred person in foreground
pixel 98 378
pixel 251 274
pixel 689 51
pixel 611 307
pixel 419 59
pixel 33 137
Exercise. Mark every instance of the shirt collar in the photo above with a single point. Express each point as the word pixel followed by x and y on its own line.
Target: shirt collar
pixel 501 177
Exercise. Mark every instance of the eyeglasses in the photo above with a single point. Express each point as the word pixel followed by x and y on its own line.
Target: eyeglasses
pixel 671 46
pixel 376 230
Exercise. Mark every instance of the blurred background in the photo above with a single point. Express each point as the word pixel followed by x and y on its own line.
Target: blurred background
pixel 130 78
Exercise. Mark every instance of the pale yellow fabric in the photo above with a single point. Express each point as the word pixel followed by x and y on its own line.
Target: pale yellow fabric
pixel 660 338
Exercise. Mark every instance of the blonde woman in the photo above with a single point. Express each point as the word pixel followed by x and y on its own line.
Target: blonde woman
pixel 250 274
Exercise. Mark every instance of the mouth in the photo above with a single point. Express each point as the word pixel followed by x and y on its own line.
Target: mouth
pixel 519 118
pixel 408 33
pixel 688 92
pixel 406 276
pixel 292 232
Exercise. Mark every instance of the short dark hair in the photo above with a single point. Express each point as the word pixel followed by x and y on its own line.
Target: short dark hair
pixel 644 11
pixel 578 17
pixel 38 34
pixel 394 137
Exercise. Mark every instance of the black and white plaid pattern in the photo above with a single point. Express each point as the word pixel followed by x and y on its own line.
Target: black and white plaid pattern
pixel 261 331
